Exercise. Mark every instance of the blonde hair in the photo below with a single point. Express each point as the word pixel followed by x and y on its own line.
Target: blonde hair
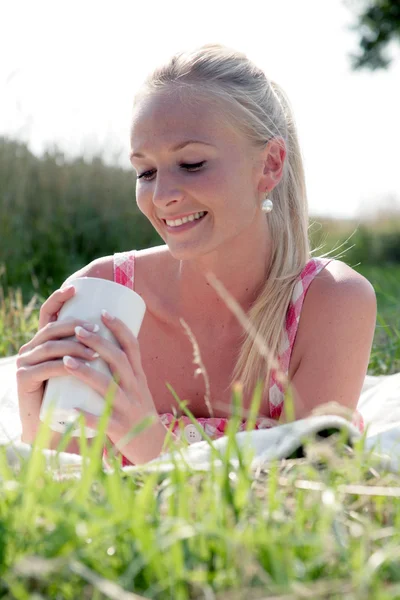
pixel 260 109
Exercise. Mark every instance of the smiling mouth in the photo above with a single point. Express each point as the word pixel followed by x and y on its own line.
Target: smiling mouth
pixel 186 222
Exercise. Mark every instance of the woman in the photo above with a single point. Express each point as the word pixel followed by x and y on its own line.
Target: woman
pixel 220 177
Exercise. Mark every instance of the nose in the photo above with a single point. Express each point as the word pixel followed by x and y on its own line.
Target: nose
pixel 166 191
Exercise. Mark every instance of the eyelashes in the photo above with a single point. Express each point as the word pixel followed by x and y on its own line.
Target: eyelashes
pixel 190 167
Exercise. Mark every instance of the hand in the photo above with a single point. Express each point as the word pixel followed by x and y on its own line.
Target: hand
pixel 131 398
pixel 41 358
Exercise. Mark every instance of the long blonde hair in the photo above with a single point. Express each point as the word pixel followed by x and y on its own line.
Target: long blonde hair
pixel 260 109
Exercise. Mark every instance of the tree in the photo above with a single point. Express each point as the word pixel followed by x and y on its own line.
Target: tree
pixel 378 23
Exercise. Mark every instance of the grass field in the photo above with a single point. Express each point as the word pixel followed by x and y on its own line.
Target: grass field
pixel 385 355
pixel 326 525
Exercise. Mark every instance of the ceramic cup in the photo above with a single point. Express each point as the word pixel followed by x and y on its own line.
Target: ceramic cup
pixel 65 393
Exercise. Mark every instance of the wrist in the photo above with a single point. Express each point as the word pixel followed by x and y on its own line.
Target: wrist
pixel 149 444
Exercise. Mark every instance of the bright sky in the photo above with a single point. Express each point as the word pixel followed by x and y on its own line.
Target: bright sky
pixel 69 71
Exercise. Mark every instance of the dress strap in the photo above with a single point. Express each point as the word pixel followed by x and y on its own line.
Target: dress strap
pixel 312 268
pixel 124 268
pixel 276 391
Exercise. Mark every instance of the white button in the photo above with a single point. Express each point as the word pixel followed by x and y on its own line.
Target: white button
pixel 192 435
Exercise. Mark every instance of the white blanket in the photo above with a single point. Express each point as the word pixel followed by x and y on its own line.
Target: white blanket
pixel 379 405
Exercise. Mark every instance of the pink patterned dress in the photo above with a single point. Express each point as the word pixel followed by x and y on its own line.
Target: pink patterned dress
pixel 124 268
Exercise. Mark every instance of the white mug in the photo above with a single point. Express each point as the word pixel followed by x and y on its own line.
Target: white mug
pixel 67 392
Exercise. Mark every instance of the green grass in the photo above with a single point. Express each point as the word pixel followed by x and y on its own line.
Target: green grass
pixel 385 355
pixel 324 525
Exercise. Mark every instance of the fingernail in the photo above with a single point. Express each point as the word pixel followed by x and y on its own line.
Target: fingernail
pixel 70 362
pixel 68 288
pixel 82 332
pixel 107 315
pixel 91 326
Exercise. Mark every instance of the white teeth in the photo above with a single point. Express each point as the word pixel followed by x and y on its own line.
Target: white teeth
pixel 178 222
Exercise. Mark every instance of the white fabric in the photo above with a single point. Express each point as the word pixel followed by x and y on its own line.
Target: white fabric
pixel 10 424
pixel 379 405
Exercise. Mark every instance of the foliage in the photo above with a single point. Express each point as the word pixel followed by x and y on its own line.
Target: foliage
pixel 18 323
pixel 58 215
pixel 373 242
pixel 378 24
pixel 385 355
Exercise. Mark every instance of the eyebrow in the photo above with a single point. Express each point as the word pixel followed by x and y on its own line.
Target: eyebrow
pixel 175 148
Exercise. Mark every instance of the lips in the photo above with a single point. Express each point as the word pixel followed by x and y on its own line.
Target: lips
pixel 188 215
pixel 185 226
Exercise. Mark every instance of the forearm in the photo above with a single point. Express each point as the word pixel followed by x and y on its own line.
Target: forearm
pixel 149 444
pixel 53 443
pixel 143 448
pixel 73 446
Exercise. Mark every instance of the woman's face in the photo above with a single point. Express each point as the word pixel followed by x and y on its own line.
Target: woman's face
pixel 219 176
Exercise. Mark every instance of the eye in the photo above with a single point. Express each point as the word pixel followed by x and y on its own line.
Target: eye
pixel 193 167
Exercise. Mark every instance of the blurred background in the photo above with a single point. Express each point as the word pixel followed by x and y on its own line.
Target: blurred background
pixel 68 74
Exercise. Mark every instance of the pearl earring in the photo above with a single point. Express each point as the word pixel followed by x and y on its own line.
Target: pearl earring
pixel 267 205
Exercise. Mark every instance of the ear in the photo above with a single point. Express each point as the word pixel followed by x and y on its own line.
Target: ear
pixel 274 160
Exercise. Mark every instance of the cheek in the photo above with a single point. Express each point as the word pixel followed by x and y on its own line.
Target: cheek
pixel 142 199
pixel 217 188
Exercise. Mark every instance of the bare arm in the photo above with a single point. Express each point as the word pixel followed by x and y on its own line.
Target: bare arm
pixel 337 326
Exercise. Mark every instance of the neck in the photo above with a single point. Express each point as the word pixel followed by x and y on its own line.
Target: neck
pixel 242 267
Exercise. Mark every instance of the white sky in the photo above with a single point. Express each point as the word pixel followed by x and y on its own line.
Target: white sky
pixel 69 70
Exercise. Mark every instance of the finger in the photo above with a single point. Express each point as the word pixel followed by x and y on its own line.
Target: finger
pixel 101 383
pixel 53 304
pixel 32 377
pixel 128 342
pixel 54 331
pixel 54 349
pixel 115 357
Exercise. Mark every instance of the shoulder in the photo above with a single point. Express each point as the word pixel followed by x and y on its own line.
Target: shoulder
pixel 337 282
pixel 102 267
pixel 339 303
pixel 147 260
